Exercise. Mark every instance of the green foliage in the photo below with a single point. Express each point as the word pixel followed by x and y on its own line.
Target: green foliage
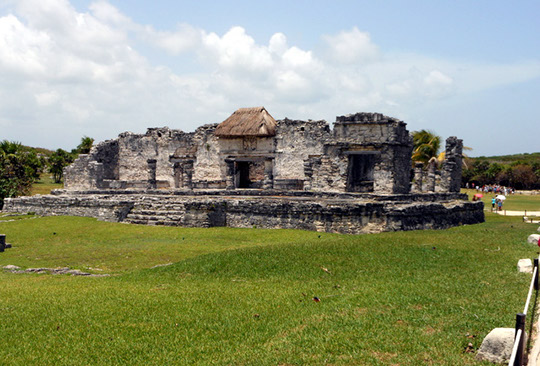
pixel 19 168
pixel 85 145
pixel 245 297
pixel 57 162
pixel 525 158
pixel 426 146
pixel 519 173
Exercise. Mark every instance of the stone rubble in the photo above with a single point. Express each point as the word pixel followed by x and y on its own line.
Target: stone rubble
pixel 56 271
pixel 525 266
pixel 497 346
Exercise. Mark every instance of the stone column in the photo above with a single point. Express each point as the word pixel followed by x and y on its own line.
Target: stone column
pixel 308 172
pixel 432 176
pixel 178 173
pixel 418 176
pixel 268 181
pixel 451 174
pixel 230 179
pixel 188 174
pixel 152 166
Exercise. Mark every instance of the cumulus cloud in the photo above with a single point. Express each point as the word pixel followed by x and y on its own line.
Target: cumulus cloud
pixel 84 74
pixel 351 46
pixel 236 49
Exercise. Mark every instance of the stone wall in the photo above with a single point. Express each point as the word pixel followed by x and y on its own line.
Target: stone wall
pixel 339 213
pixel 90 170
pixel 157 144
pixel 365 152
pixel 364 139
pixel 105 208
pixel 208 170
pixel 296 141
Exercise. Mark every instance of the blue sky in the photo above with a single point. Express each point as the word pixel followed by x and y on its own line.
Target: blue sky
pixel 98 68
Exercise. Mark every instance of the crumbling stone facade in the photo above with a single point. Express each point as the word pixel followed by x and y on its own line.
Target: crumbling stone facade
pixel 251 170
pixel 365 152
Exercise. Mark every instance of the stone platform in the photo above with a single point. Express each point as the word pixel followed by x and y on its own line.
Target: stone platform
pixel 346 213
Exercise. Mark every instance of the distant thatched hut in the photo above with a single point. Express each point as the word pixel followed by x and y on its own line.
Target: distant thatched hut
pixel 248 122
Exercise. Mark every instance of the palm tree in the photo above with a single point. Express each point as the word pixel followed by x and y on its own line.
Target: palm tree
pixel 426 146
pixel 442 156
pixel 85 145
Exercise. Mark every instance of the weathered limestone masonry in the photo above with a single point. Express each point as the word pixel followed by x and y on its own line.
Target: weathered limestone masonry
pixel 354 213
pixel 368 152
pixel 451 172
pixel 251 170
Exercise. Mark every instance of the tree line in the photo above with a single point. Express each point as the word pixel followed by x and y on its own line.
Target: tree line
pixel 519 174
pixel 21 166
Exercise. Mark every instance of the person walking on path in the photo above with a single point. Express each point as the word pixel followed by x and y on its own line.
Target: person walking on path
pixel 493 202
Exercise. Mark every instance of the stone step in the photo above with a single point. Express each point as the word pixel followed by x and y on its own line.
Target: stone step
pixel 135 216
pixel 160 222
pixel 158 212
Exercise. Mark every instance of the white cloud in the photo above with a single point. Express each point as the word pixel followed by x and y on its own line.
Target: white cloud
pixel 84 73
pixel 185 38
pixel 295 58
pixel 351 46
pixel 47 98
pixel 436 77
pixel 278 44
pixel 237 50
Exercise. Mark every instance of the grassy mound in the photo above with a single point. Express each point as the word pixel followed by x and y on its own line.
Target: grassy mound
pixel 248 296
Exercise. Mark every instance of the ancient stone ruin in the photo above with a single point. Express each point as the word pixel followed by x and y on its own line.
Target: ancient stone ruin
pixel 251 170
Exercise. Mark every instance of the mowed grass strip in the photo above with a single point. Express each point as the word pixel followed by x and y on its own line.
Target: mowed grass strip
pixel 246 297
pixel 515 202
pixel 45 185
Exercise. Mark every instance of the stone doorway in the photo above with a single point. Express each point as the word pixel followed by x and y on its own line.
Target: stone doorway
pixel 242 169
pixel 360 173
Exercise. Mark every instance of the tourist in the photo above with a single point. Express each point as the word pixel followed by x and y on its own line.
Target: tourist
pixel 499 204
pixel 493 202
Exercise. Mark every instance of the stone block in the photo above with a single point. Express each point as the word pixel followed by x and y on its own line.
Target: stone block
pixel 497 346
pixel 533 239
pixel 525 265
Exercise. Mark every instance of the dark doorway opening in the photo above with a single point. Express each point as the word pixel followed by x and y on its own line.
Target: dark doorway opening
pixel 243 174
pixel 360 173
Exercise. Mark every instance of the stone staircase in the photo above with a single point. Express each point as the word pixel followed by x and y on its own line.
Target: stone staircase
pixel 176 211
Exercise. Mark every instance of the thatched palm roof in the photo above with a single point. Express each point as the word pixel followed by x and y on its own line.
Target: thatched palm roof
pixel 256 122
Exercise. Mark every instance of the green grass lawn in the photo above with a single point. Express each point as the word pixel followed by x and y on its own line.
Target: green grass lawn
pixel 245 296
pixel 45 185
pixel 515 202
